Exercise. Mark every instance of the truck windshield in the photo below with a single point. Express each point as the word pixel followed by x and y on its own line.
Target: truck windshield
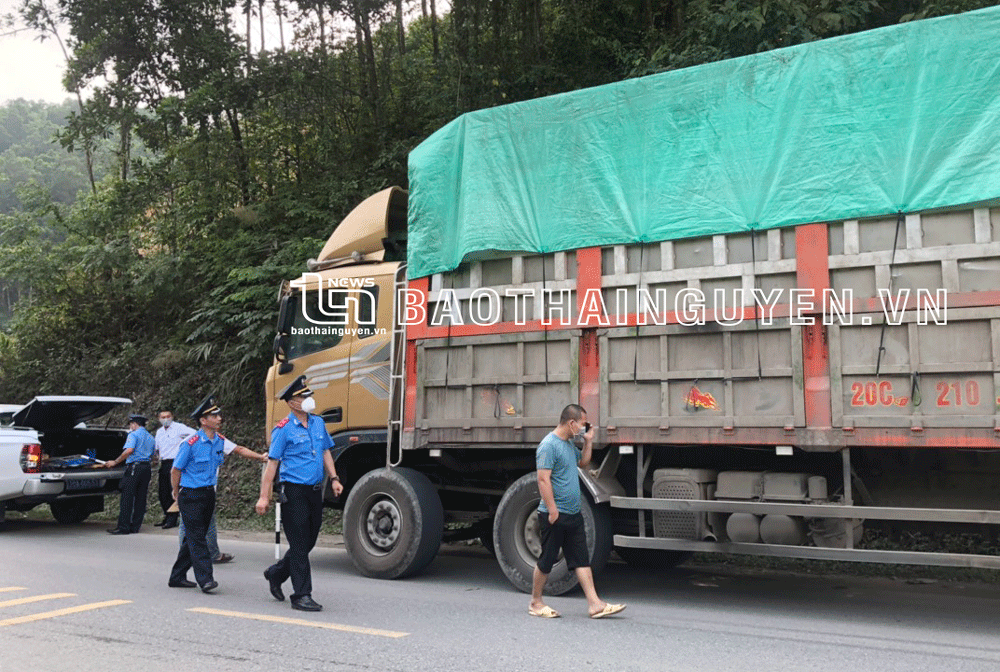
pixel 312 327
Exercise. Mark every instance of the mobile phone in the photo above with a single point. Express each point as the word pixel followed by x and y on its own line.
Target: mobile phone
pixel 586 427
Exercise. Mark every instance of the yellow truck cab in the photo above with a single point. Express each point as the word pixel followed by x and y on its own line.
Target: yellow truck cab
pixel 335 324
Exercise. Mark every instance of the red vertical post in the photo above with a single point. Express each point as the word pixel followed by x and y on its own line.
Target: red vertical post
pixel 588 277
pixel 813 272
pixel 413 332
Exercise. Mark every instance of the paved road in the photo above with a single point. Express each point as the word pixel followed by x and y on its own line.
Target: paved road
pixel 74 598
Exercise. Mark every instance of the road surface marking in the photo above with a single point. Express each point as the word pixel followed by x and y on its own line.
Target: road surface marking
pixel 62 612
pixel 298 621
pixel 35 598
pixel 11 589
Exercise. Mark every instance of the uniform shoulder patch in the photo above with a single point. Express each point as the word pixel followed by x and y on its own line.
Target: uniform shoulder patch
pixel 283 422
pixel 193 439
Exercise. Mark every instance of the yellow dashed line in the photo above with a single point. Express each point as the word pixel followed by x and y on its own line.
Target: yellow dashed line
pixel 62 612
pixel 298 621
pixel 35 598
pixel 11 589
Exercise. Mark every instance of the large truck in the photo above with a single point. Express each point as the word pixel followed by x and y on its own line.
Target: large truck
pixel 772 282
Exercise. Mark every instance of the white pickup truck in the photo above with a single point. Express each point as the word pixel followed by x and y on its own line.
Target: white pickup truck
pixel 50 453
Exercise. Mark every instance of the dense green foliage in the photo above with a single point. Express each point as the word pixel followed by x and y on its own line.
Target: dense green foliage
pixel 159 281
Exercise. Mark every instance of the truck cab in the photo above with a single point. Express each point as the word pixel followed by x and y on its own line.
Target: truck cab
pixel 335 326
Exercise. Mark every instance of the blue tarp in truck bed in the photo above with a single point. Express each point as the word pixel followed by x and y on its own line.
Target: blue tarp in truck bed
pixel 902 118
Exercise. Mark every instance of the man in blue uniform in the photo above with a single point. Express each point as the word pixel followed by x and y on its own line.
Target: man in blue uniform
pixel 138 449
pixel 193 479
pixel 302 445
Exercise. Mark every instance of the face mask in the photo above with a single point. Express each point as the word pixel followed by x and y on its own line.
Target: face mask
pixel 308 404
pixel 166 423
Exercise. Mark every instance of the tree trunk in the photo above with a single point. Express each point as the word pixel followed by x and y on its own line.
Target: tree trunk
pixel 242 166
pixel 322 30
pixel 260 10
pixel 88 144
pixel 249 11
pixel 366 59
pixel 400 29
pixel 125 144
pixel 434 32
pixel 281 23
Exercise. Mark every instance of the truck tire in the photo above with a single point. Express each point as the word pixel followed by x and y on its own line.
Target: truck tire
pixel 517 544
pixel 393 523
pixel 69 512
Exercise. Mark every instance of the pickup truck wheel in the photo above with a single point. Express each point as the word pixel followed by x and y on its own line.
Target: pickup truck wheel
pixel 68 513
pixel 518 544
pixel 393 523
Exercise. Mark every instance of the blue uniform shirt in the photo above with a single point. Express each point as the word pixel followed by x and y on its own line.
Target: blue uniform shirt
pixel 199 458
pixel 561 457
pixel 142 444
pixel 300 449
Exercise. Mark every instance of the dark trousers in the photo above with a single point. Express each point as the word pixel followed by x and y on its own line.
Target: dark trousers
pixel 165 490
pixel 197 506
pixel 134 486
pixel 301 516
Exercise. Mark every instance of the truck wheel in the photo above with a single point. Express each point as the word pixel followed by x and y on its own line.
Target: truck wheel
pixel 518 545
pixel 68 513
pixel 393 523
pixel 652 558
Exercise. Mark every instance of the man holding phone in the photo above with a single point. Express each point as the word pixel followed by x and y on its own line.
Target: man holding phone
pixel 560 521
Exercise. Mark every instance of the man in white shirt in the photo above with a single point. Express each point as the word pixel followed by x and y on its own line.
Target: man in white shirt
pixel 168 440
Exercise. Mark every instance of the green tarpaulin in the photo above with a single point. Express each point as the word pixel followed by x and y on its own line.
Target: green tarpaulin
pixel 901 118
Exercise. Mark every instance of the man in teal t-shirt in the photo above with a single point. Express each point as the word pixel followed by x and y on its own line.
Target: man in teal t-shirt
pixel 560 520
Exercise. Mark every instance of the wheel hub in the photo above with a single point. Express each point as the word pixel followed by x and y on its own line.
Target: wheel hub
pixel 383 522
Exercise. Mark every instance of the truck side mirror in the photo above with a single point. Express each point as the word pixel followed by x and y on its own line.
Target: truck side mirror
pixel 281 347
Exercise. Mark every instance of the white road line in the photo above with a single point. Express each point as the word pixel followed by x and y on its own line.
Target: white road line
pixel 299 621
pixel 35 598
pixel 62 612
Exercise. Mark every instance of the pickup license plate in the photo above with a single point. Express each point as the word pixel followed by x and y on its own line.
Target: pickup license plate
pixel 84 484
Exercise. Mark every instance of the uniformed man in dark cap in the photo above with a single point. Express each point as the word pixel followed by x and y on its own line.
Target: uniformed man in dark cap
pixel 301 444
pixel 193 477
pixel 138 449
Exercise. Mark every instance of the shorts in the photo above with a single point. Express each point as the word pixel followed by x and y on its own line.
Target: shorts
pixel 569 534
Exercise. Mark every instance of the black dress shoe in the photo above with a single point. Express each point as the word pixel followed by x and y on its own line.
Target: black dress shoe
pixel 182 583
pixel 169 524
pixel 209 587
pixel 275 586
pixel 306 603
pixel 115 530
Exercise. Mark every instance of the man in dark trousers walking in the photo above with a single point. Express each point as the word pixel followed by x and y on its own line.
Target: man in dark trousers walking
pixel 560 521
pixel 193 478
pixel 168 440
pixel 302 445
pixel 136 452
